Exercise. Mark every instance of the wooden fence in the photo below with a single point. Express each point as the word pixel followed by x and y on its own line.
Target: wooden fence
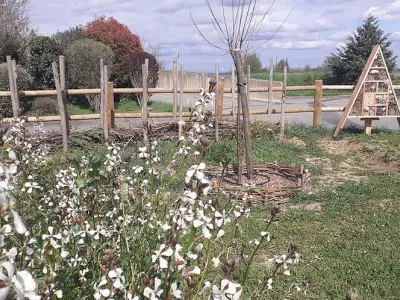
pixel 107 91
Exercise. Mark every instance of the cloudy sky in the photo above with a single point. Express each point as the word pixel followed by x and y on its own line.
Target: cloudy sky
pixel 313 29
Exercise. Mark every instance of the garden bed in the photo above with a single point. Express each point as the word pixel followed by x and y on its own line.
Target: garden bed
pixel 271 183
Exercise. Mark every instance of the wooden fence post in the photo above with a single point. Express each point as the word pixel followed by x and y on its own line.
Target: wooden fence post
pixel 182 75
pixel 61 107
pixel 102 105
pixel 283 101
pixel 175 87
pixel 105 106
pixel 270 95
pixel 233 90
pixel 203 78
pixel 220 97
pixel 12 81
pixel 15 76
pixel 317 103
pixel 63 89
pixel 217 87
pixel 110 104
pixel 145 112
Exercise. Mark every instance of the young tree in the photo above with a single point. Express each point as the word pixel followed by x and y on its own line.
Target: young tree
pixel 347 65
pixel 237 35
pixel 254 61
pixel 41 51
pixel 280 66
pixel 68 36
pixel 134 67
pixel 83 69
pixel 14 27
pixel 121 40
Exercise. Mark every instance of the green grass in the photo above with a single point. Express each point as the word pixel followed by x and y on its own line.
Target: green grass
pixel 302 79
pixel 155 106
pixel 77 110
pixel 353 241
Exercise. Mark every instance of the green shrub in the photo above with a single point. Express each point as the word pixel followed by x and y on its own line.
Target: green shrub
pixel 45 106
pixel 24 82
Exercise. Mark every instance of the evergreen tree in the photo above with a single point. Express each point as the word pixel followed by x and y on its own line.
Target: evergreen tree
pixel 347 65
pixel 253 60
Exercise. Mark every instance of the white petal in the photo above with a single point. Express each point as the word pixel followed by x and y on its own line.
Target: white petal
pixel 163 263
pixel 19 225
pixel 105 292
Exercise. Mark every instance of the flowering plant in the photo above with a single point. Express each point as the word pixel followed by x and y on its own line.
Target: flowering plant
pixel 109 228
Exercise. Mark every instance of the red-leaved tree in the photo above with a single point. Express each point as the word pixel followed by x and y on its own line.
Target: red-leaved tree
pixel 121 40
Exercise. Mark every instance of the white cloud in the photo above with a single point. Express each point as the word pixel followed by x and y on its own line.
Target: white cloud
pixel 298 45
pixel 386 12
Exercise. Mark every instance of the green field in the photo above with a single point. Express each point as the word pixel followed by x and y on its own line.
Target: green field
pixel 308 78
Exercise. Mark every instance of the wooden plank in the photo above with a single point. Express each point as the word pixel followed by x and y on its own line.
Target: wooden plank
pixel 283 102
pixel 111 104
pixel 317 103
pixel 271 78
pixel 216 102
pixel 182 77
pixel 220 97
pixel 12 88
pixel 248 83
pixel 175 87
pixel 356 91
pixel 61 107
pixel 145 111
pixel 63 89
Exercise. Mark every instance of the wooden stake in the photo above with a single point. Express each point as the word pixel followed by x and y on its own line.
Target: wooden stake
pixel 102 105
pixel 233 89
pixel 63 89
pixel 220 97
pixel 283 102
pixel 175 87
pixel 61 107
pixel 216 102
pixel 248 82
pixel 238 139
pixel 110 102
pixel 270 95
pixel 204 78
pixel 317 103
pixel 145 77
pixel 105 108
pixel 182 77
pixel 15 76
pixel 12 87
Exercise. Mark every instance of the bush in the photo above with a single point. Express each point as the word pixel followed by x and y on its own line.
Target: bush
pixel 24 83
pixel 45 106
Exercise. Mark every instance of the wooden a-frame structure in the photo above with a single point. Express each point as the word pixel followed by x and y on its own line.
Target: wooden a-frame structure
pixel 374 96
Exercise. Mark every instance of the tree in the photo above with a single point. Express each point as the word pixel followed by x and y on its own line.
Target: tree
pixel 253 60
pixel 14 28
pixel 347 65
pixel 68 36
pixel 280 66
pixel 83 66
pixel 40 53
pixel 236 35
pixel 24 82
pixel 134 66
pixel 121 40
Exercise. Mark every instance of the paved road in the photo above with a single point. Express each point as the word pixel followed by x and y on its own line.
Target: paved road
pixel 329 119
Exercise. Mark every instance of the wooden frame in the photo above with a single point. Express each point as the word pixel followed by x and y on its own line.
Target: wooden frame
pixel 369 102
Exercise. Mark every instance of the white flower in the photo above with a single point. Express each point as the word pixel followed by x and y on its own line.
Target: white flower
pixel 19 224
pixel 101 289
pixel 143 152
pixel 116 276
pixel 153 294
pixel 216 262
pixel 161 255
pixel 269 283
pixel 228 291
pixel 206 227
pixel 197 172
pixel 175 292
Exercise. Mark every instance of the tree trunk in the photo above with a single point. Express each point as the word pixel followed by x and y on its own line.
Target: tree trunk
pixel 241 82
